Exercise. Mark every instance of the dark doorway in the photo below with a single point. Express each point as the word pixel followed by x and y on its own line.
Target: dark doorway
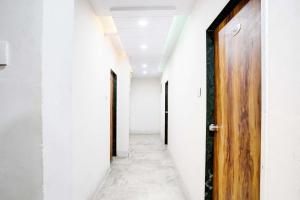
pixel 166 111
pixel 236 35
pixel 113 115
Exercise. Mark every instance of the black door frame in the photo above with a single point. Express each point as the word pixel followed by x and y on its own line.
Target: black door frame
pixel 114 112
pixel 166 112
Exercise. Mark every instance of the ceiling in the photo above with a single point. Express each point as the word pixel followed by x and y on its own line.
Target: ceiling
pixel 143 27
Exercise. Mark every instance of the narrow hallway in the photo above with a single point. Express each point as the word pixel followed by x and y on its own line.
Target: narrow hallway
pixel 149 100
pixel 147 174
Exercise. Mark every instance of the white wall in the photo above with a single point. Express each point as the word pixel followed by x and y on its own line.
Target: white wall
pixel 281 112
pixel 93 59
pixel 186 73
pixel 20 101
pixel 145 106
pixel 56 98
pixel 281 135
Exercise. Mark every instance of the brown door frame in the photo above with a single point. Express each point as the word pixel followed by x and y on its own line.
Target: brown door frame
pixel 166 113
pixel 113 114
pixel 229 10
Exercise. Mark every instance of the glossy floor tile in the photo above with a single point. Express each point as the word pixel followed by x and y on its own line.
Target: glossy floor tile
pixel 147 174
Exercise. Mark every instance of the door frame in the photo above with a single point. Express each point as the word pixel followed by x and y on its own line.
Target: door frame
pixel 113 114
pixel 166 112
pixel 210 101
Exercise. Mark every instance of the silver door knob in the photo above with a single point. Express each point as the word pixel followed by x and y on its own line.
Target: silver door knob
pixel 214 127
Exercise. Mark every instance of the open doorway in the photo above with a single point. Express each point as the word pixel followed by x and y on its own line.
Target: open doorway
pixel 113 115
pixel 166 111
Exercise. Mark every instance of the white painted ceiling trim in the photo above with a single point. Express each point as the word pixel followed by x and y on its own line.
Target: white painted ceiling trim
pixel 144 29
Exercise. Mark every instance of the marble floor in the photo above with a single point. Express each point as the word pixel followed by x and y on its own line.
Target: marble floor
pixel 147 174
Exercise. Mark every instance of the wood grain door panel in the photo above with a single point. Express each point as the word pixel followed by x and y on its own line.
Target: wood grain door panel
pixel 238 104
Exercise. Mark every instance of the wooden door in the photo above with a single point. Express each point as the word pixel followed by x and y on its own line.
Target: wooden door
pixel 238 104
pixel 113 115
pixel 166 111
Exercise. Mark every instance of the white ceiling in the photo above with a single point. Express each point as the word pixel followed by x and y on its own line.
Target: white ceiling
pixel 158 16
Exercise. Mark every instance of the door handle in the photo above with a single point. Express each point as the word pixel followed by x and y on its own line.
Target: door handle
pixel 214 127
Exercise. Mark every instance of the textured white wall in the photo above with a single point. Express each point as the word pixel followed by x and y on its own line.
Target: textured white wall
pixel 56 98
pixel 281 136
pixel 94 57
pixel 145 106
pixel 20 101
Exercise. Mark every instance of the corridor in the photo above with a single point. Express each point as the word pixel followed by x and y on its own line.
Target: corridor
pixel 147 174
pixel 149 100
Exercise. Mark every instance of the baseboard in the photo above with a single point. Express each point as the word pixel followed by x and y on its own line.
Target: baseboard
pixel 123 154
pixel 100 185
pixel 181 182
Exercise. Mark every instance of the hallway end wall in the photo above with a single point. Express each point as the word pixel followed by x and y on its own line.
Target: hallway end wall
pixel 145 106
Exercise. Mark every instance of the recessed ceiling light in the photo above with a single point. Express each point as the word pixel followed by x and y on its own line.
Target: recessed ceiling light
pixel 144 65
pixel 144 47
pixel 145 72
pixel 142 22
